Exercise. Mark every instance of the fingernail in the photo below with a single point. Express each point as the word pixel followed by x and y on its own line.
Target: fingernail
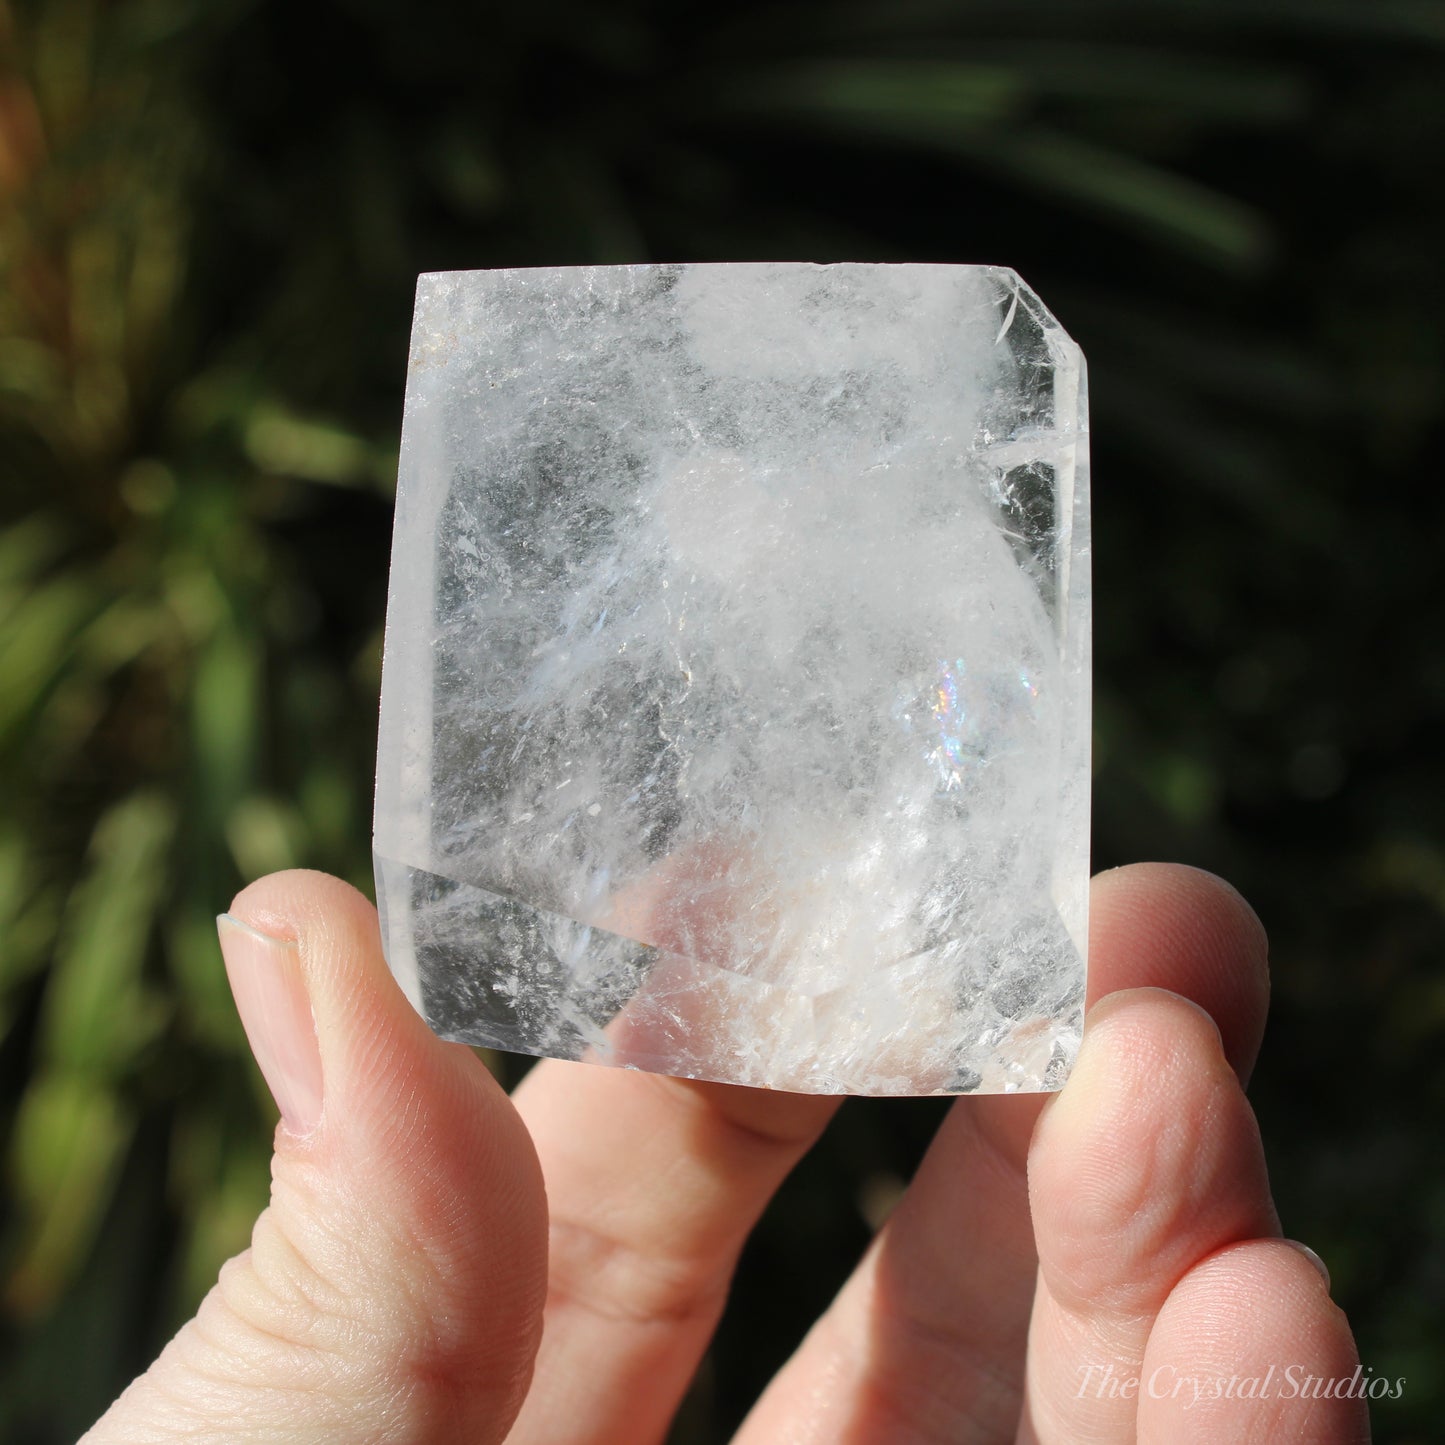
pixel 1313 1258
pixel 270 994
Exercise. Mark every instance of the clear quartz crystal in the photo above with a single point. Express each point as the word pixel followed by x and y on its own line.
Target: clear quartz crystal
pixel 735 709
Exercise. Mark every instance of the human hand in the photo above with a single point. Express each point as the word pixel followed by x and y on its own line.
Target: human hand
pixel 1049 1251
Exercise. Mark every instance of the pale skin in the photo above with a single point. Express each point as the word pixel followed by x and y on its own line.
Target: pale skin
pixel 442 1263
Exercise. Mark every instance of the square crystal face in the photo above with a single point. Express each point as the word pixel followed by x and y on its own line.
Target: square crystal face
pixel 735 708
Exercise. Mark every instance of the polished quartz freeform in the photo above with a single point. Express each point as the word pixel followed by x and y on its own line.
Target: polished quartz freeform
pixel 736 694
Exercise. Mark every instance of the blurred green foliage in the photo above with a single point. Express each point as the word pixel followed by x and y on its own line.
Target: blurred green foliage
pixel 211 215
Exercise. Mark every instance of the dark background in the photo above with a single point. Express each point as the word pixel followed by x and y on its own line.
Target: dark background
pixel 211 218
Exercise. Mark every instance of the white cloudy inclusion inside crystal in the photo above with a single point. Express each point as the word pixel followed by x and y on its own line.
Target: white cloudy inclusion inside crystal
pixel 736 694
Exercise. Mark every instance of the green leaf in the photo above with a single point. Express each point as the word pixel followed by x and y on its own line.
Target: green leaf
pixel 912 96
pixel 121 633
pixel 912 100
pixel 225 704
pixel 1184 20
pixel 1118 77
pixel 17 886
pixel 70 1136
pixel 30 371
pixel 27 548
pixel 266 835
pixel 13 887
pixel 98 1012
pixel 976 113
pixel 1131 193
pixel 194 961
pixel 278 441
pixel 223 1184
pixel 37 645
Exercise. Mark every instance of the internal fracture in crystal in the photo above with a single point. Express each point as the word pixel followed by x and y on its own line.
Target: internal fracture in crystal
pixel 735 706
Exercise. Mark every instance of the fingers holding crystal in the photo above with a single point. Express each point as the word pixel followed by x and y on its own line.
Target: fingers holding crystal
pixel 1162 925
pixel 1149 1161
pixel 926 1341
pixel 1249 1346
pixel 393 1289
pixel 653 1185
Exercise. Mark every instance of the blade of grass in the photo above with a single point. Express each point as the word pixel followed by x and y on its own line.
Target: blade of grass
pixel 70 1137
pixel 38 645
pixel 98 1012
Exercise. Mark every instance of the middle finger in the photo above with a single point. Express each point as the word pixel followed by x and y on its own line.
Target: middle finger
pixel 653 1185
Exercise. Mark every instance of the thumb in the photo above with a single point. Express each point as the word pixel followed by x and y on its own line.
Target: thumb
pixel 393 1289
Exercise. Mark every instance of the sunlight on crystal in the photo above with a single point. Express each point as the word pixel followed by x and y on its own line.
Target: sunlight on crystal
pixel 735 707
